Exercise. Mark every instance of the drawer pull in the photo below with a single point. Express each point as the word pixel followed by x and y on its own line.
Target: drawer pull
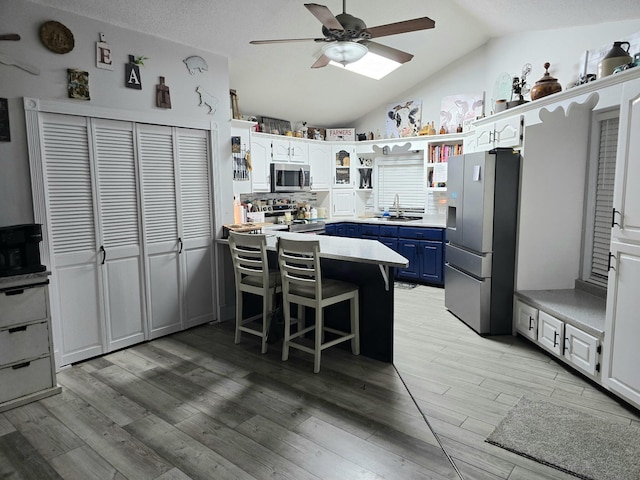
pixel 18 291
pixel 18 329
pixel 21 365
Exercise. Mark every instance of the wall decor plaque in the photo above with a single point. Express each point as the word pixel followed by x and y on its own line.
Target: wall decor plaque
pixel 78 84
pixel 5 133
pixel 132 74
pixel 56 37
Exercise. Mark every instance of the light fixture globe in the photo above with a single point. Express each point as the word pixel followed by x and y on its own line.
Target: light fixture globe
pixel 344 52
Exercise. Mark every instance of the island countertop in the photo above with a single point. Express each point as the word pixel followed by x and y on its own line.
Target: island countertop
pixel 342 248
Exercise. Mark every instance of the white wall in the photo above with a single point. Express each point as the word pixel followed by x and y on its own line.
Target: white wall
pixel 106 89
pixel 477 71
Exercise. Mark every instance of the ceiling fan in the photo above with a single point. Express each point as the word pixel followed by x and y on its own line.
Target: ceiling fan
pixel 347 39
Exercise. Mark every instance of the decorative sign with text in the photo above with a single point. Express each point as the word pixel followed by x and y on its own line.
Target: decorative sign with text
pixel 103 54
pixel 341 134
pixel 163 98
pixel 132 74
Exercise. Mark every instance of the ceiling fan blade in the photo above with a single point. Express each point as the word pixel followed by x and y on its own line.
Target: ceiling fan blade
pixel 286 40
pixel 422 23
pixel 322 61
pixel 388 52
pixel 325 16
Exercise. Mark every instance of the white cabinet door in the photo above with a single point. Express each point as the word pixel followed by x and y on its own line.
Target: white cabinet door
pixel 320 165
pixel 550 332
pixel 195 226
pixel 260 164
pixel 342 156
pixel 581 349
pixel 344 203
pixel 484 138
pixel 298 151
pixel 76 287
pixel 289 150
pixel 526 319
pixel 280 150
pixel 119 227
pixel 508 132
pixel 503 133
pixel 621 355
pixel 160 220
pixel 626 196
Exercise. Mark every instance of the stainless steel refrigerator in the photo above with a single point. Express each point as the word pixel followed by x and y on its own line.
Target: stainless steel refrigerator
pixel 482 217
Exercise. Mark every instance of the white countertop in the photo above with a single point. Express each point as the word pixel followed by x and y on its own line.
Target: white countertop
pixel 344 248
pixel 434 221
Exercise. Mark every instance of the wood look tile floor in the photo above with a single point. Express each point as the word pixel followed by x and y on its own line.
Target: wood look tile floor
pixel 194 405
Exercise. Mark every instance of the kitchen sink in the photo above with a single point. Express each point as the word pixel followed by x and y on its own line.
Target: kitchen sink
pixel 399 219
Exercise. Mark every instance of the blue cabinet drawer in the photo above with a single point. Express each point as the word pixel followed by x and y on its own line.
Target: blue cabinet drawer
pixel 388 231
pixel 352 230
pixel 369 230
pixel 392 243
pixel 421 233
pixel 330 229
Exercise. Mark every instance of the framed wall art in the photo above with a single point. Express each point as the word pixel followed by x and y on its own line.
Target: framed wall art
pixel 273 125
pixel 460 110
pixel 78 84
pixel 403 119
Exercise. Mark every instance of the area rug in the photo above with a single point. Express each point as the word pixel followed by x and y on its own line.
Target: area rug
pixel 574 442
pixel 405 285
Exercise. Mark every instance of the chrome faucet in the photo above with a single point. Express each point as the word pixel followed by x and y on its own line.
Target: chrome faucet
pixel 396 204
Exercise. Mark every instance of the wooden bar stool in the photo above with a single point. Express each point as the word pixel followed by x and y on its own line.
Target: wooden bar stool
pixel 252 275
pixel 302 284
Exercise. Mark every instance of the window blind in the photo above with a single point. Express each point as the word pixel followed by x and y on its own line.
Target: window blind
pixel 403 176
pixel 604 200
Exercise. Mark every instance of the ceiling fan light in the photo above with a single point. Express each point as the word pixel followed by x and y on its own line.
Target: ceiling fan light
pixel 344 52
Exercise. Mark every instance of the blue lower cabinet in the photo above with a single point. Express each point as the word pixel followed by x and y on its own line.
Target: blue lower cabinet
pixel 425 260
pixel 330 229
pixel 352 230
pixel 392 243
pixel 369 231
pixel 341 230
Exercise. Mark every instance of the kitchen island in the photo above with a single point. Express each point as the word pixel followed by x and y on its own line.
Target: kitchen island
pixel 368 264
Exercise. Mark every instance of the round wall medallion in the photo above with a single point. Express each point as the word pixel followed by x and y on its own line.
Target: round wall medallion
pixel 56 37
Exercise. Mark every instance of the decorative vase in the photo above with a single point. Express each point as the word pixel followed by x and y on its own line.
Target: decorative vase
pixel 546 85
pixel 617 56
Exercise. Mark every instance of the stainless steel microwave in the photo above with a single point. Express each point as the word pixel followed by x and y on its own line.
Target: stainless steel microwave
pixel 290 177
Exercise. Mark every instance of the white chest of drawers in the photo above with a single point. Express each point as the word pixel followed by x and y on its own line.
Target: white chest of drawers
pixel 27 370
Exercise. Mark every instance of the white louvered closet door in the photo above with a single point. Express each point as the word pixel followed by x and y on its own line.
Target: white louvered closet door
pixel 76 287
pixel 196 230
pixel 157 154
pixel 119 232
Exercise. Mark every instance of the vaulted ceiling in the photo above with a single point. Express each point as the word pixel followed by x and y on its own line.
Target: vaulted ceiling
pixel 277 81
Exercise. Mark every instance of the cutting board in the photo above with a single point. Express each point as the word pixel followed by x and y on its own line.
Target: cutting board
pixel 243 227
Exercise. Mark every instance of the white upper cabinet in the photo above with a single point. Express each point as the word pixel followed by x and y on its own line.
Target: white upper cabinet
pixel 320 164
pixel 507 132
pixel 626 197
pixel 287 149
pixel 260 162
pixel 342 157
